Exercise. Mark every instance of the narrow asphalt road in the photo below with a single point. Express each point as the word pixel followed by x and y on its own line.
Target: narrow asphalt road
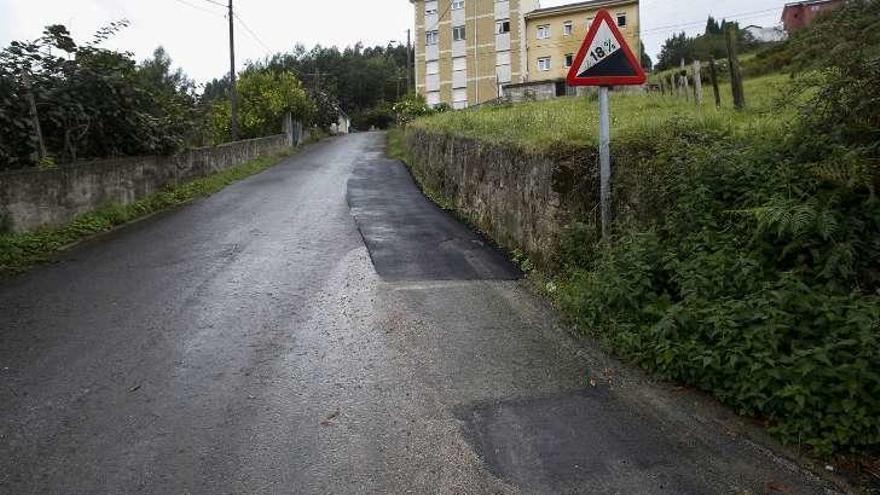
pixel 322 328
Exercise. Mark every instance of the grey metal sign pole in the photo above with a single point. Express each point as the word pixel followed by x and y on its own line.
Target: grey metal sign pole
pixel 605 160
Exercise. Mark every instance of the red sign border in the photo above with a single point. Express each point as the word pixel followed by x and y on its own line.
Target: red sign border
pixel 573 79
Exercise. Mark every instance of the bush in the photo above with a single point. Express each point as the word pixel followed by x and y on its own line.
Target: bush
pixel 410 108
pixel 759 283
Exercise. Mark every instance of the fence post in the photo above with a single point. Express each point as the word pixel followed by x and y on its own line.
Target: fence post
pixel 698 82
pixel 713 74
pixel 736 83
pixel 684 84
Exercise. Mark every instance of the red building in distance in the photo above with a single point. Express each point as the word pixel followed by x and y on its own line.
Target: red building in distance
pixel 796 15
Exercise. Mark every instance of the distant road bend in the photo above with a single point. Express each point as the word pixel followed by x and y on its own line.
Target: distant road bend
pixel 322 328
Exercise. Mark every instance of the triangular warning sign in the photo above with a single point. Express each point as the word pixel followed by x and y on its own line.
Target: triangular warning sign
pixel 605 59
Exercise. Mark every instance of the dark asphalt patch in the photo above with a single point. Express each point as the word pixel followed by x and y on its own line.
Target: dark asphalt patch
pixel 409 237
pixel 588 442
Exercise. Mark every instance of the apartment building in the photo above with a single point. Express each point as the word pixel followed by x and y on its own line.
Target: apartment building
pixel 469 51
pixel 466 50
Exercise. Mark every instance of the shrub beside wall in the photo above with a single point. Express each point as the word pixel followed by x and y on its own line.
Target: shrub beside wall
pixel 739 263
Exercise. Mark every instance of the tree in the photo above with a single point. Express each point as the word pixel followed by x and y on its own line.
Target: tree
pixel 712 26
pixel 264 97
pixel 361 79
pixel 710 44
pixel 676 48
pixel 646 61
pixel 173 94
pixel 91 102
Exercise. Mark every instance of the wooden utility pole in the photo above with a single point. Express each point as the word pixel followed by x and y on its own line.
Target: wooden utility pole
pixel 35 117
pixel 713 74
pixel 736 82
pixel 698 82
pixel 233 92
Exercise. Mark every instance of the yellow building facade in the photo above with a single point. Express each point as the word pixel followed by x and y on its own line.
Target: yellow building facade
pixel 467 51
pixel 555 34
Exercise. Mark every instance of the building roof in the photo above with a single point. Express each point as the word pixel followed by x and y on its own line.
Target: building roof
pixel 575 7
pixel 807 2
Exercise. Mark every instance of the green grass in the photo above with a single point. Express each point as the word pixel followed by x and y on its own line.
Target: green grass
pixel 539 126
pixel 20 251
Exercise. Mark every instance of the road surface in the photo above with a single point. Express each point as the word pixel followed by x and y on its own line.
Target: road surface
pixel 322 328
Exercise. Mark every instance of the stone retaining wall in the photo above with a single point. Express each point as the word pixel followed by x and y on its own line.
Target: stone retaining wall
pixel 528 201
pixel 523 201
pixel 31 199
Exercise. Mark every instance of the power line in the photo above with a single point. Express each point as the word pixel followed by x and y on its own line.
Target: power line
pixel 253 35
pixel 202 9
pixel 695 23
pixel 216 3
pixel 660 34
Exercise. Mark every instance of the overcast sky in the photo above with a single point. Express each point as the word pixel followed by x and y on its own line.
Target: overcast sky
pixel 194 32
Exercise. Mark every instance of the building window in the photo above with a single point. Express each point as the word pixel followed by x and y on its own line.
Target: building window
pixel 569 59
pixel 589 22
pixel 567 28
pixel 457 4
pixel 431 37
pixel 544 64
pixel 430 8
pixel 502 27
pixel 544 32
pixel 458 33
pixel 621 20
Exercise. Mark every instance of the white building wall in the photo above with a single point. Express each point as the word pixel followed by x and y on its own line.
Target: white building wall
pixel 502 9
pixel 459 48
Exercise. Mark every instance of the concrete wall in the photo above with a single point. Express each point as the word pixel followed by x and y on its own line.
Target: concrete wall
pixel 534 91
pixel 31 199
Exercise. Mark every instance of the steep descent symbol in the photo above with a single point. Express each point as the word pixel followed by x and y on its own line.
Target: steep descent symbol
pixel 605 59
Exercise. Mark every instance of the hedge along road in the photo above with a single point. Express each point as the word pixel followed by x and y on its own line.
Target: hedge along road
pixel 322 328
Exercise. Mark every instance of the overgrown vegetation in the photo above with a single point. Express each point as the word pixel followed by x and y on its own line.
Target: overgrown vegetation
pixel 362 81
pixel 755 274
pixel 264 97
pixel 567 122
pixel 20 251
pixel 709 44
pixel 92 102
